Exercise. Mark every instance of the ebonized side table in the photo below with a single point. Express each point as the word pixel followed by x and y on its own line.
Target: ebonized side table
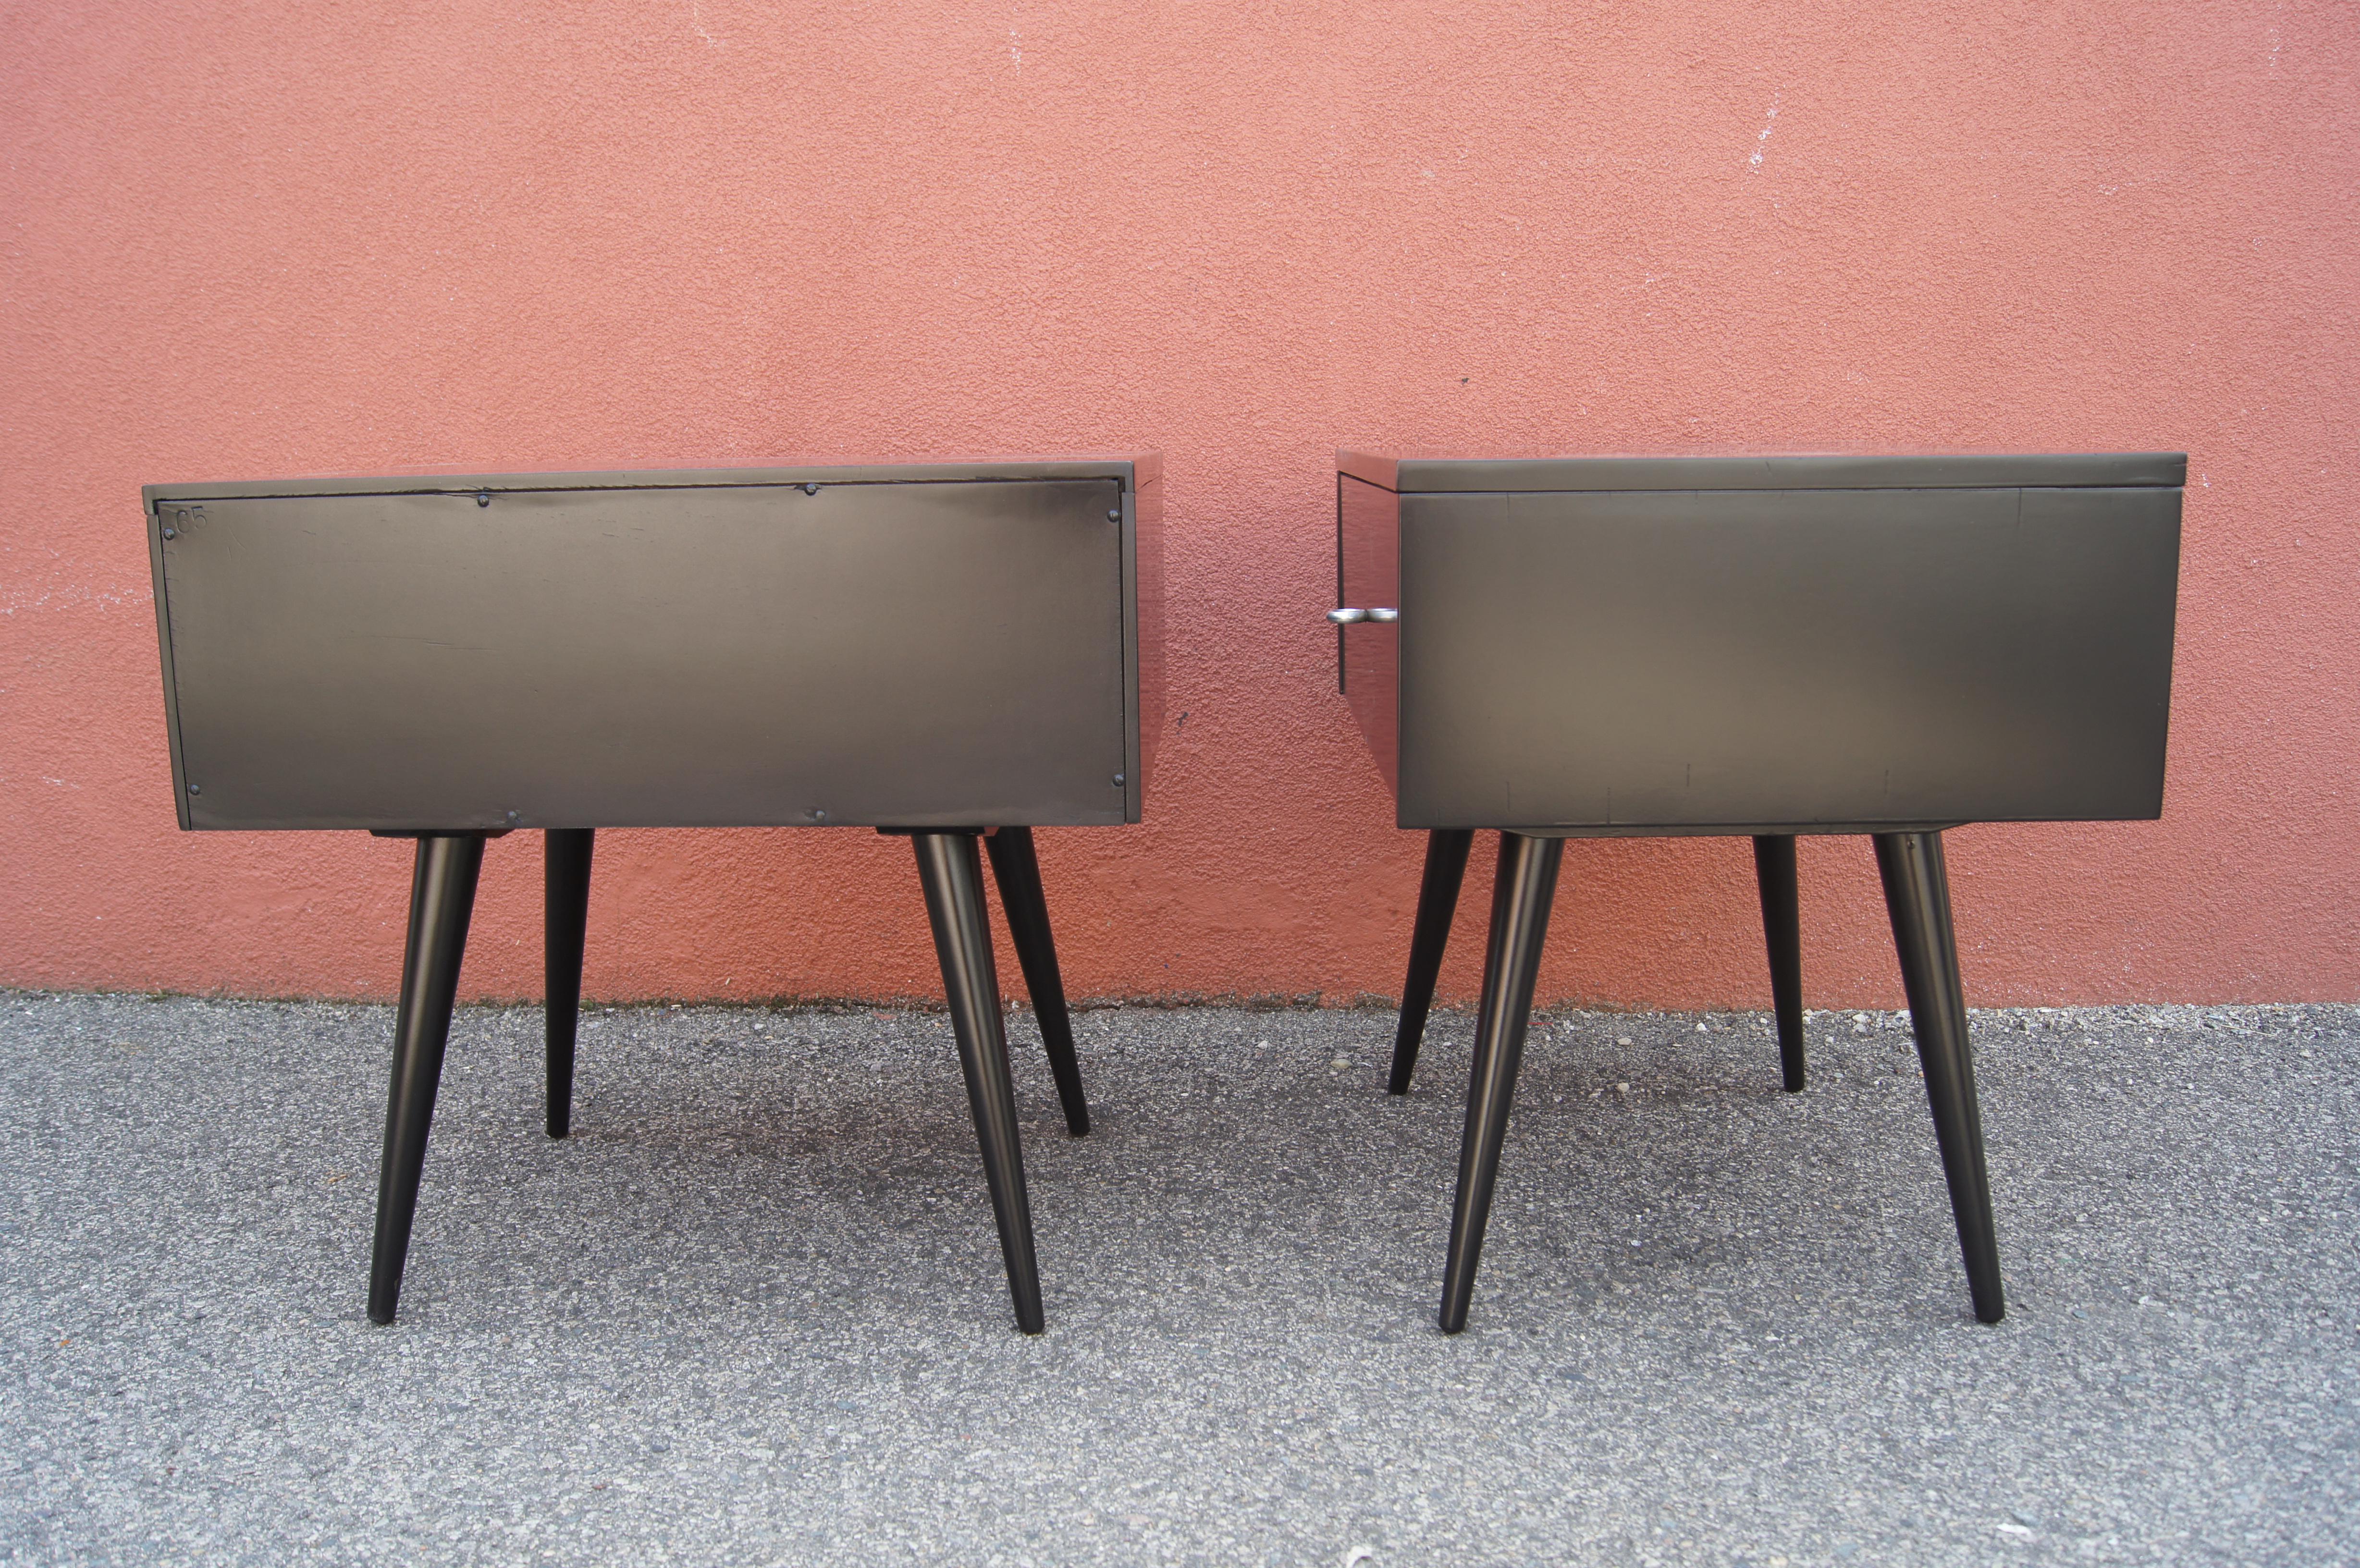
pixel 955 652
pixel 1763 646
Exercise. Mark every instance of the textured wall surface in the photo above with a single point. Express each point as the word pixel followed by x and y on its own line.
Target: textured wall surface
pixel 240 241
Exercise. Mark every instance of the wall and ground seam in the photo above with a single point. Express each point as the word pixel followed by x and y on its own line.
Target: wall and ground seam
pixel 238 241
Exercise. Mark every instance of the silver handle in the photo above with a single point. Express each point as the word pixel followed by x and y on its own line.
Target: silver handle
pixel 1354 618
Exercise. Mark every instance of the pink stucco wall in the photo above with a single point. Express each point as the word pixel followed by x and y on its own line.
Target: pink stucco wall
pixel 240 240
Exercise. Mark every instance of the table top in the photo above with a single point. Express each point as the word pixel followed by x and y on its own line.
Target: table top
pixel 1828 470
pixel 1133 470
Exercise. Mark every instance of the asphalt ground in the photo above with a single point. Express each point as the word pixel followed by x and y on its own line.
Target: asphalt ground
pixel 753 1312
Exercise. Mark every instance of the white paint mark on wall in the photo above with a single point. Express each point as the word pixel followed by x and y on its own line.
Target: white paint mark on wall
pixel 73 596
pixel 696 20
pixel 1762 142
pixel 1015 48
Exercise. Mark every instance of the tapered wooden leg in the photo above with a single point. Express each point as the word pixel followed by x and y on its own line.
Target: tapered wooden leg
pixel 441 901
pixel 1782 932
pixel 952 874
pixel 1437 904
pixel 565 915
pixel 1521 894
pixel 1017 870
pixel 1918 896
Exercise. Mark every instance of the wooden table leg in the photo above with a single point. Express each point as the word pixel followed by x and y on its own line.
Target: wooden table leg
pixel 1918 896
pixel 1782 932
pixel 1522 892
pixel 1437 905
pixel 441 901
pixel 1017 870
pixel 565 917
pixel 952 874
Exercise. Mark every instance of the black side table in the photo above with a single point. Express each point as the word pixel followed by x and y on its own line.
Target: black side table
pixel 952 652
pixel 1762 646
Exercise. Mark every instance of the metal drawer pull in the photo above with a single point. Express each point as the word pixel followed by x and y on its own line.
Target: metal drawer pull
pixel 1354 618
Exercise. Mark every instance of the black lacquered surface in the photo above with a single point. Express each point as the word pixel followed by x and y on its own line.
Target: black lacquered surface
pixel 1567 647
pixel 1848 657
pixel 920 647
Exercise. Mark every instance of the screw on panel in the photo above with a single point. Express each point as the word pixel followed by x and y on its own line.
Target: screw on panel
pixel 195 789
pixel 483 498
pixel 1114 514
pixel 170 533
pixel 811 489
pixel 1117 777
pixel 514 817
pixel 818 816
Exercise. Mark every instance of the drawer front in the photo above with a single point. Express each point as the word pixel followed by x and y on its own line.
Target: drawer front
pixel 913 653
pixel 1368 574
pixel 1623 661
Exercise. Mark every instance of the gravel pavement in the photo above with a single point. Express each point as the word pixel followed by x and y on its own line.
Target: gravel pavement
pixel 753 1312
